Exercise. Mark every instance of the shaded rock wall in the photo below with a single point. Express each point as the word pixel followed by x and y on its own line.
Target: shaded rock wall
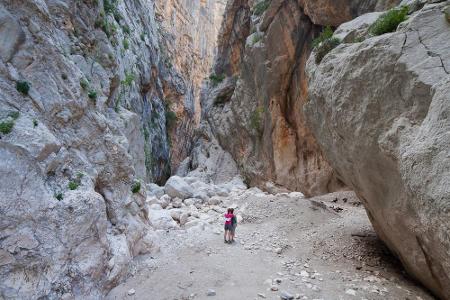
pixel 190 30
pixel 380 111
pixel 256 113
pixel 72 147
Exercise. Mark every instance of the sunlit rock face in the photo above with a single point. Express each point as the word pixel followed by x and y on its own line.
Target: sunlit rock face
pixel 256 111
pixel 379 109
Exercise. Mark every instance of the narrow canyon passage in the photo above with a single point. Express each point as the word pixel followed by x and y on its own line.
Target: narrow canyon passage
pixel 317 248
pixel 129 127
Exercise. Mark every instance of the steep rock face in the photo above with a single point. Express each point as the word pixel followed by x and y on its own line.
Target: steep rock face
pixel 82 118
pixel 190 30
pixel 380 111
pixel 256 113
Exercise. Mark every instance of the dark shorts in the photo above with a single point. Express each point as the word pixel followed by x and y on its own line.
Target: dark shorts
pixel 233 228
pixel 228 227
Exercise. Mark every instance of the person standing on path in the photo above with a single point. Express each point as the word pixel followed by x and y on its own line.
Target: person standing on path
pixel 233 225
pixel 228 226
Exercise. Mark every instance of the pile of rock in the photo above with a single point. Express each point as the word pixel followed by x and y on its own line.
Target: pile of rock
pixel 189 203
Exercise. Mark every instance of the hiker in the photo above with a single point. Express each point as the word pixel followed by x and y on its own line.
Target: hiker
pixel 228 225
pixel 233 225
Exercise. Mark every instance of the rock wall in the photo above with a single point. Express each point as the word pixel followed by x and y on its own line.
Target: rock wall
pixel 380 111
pixel 83 118
pixel 256 110
pixel 190 30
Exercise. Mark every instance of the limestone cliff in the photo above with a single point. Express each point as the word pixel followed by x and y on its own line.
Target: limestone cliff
pixel 190 30
pixel 86 99
pixel 256 96
pixel 379 107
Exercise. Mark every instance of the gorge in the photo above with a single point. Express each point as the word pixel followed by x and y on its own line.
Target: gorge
pixel 128 127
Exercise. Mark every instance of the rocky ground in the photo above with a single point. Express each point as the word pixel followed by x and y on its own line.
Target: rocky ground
pixel 286 247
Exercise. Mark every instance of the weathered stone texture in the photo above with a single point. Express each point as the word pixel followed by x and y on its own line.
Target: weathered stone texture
pixel 380 112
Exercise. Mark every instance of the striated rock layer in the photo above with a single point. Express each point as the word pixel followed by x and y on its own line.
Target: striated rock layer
pixel 256 111
pixel 190 30
pixel 380 111
pixel 83 107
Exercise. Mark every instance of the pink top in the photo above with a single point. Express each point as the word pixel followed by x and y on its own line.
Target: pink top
pixel 228 218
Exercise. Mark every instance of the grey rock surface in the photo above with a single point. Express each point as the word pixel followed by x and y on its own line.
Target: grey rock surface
pixel 380 111
pixel 177 187
pixel 88 120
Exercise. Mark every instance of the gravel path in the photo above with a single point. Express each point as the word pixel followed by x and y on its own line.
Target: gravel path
pixel 318 248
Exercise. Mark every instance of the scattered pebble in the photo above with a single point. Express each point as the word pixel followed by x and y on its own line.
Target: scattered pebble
pixel 286 296
pixel 131 292
pixel 211 292
pixel 350 292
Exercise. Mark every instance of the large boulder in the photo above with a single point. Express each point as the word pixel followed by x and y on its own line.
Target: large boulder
pixel 176 187
pixel 380 110
pixel 161 219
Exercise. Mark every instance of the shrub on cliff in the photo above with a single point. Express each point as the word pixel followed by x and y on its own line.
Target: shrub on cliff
pixel 261 7
pixel 136 187
pixel 326 33
pixel 6 126
pixel 216 79
pixel 389 21
pixel 325 47
pixel 324 43
pixel 23 87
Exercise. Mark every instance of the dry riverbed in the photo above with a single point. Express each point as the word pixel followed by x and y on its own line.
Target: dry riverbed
pixel 318 248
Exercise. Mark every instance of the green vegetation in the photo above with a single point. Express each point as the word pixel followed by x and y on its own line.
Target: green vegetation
pixel 6 126
pixel 171 118
pixel 110 6
pixel 73 185
pixel 324 43
pixel 325 47
pixel 389 21
pixel 326 34
pixel 261 7
pixel 256 118
pixel 128 80
pixel 23 87
pixel 80 175
pixel 14 115
pixel 126 29
pixel 126 44
pixel 35 123
pixel 136 187
pixel 143 37
pixel 216 79
pixel 358 40
pixel 92 95
pixel 84 84
pixel 58 196
pixel 256 38
pixel 108 28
